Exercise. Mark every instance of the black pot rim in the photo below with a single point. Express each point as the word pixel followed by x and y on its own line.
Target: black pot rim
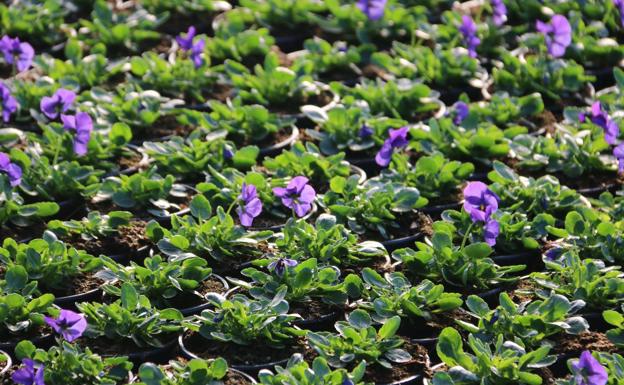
pixel 153 354
pixel 399 242
pixel 314 321
pixel 186 353
pixel 71 300
pixel 9 362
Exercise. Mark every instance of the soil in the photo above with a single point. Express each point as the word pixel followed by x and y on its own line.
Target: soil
pixel 187 300
pixel 409 224
pixel 313 310
pixel 235 354
pixel 166 125
pixel 129 239
pixel 129 161
pixel 524 291
pixel 233 378
pixel 380 265
pixel 139 212
pixel 75 285
pixel 419 365
pixel 545 120
pixel 421 328
pixel 547 376
pixel 278 137
pixel 590 340
pixel 119 347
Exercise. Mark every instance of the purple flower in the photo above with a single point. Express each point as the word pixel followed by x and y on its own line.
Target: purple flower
pixel 68 324
pixel 15 52
pixel 227 153
pixel 481 202
pixel 30 374
pixel 601 118
pixel 186 43
pixel 553 253
pixel 9 103
pixel 396 139
pixel 499 11
pixel 469 29
pixel 58 103
pixel 196 53
pixel 620 6
pixel 83 125
pixel 365 131
pixel 250 207
pixel 618 152
pixel 280 265
pixel 461 112
pixel 13 171
pixel 588 370
pixel 373 9
pixel 557 33
pixel 298 195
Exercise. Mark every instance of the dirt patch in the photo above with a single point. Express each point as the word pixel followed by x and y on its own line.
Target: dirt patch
pixel 592 341
pixel 418 365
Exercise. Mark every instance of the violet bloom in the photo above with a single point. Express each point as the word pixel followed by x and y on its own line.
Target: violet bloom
pixel 461 112
pixel 601 118
pixel 59 103
pixel 186 43
pixel 69 324
pixel 499 12
pixel 83 125
pixel 481 202
pixel 227 153
pixel 588 370
pixel 298 195
pixel 12 170
pixel 196 53
pixel 17 53
pixel 553 253
pixel 373 9
pixel 29 374
pixel 618 152
pixel 280 265
pixel 557 33
pixel 9 103
pixel 396 139
pixel 365 131
pixel 250 205
pixel 620 6
pixel 469 29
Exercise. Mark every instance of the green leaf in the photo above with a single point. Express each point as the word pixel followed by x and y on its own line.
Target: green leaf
pixel 129 296
pixel 389 328
pixel 201 208
pixel 450 349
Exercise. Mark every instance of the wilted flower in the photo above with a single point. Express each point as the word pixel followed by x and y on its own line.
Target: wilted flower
pixel 365 131
pixel 16 52
pixel 396 139
pixel 618 152
pixel 186 42
pixel 553 253
pixel 9 103
pixel 557 33
pixel 196 53
pixel 461 112
pixel 58 103
pixel 250 205
pixel 83 125
pixel 13 171
pixel 280 265
pixel 481 202
pixel 620 6
pixel 499 11
pixel 601 118
pixel 69 324
pixel 469 29
pixel 373 9
pixel 588 370
pixel 29 374
pixel 298 195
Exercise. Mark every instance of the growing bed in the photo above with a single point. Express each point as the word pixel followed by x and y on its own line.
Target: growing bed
pixel 311 192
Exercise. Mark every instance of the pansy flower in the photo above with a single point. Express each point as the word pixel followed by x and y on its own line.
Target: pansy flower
pixel 298 195
pixel 557 33
pixel 197 49
pixel 31 373
pixel 396 139
pixel 12 170
pixel 59 103
pixel 69 324
pixel 250 205
pixel 373 9
pixel 468 29
pixel 480 203
pixel 186 42
pixel 499 12
pixel 461 112
pixel 9 103
pixel 588 371
pixel 618 152
pixel 620 6
pixel 280 265
pixel 601 118
pixel 82 124
pixel 17 53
